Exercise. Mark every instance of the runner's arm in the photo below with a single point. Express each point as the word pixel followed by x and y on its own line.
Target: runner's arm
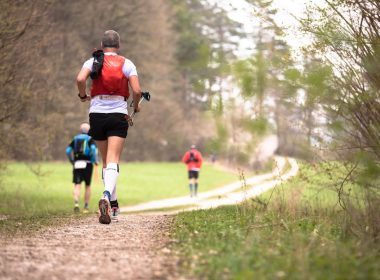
pixel 69 153
pixel 135 85
pixel 93 154
pixel 82 77
pixel 200 159
pixel 185 158
pixel 130 71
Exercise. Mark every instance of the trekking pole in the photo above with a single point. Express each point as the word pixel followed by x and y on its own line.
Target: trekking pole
pixel 144 96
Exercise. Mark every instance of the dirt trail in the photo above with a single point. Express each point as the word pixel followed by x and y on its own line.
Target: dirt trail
pixel 133 248
pixel 226 195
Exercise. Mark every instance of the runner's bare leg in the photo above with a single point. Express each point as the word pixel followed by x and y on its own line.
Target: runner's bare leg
pixel 195 187
pixel 115 147
pixel 76 192
pixel 102 146
pixel 87 195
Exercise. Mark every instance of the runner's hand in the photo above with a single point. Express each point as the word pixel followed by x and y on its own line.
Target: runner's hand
pixel 129 120
pixel 88 98
pixel 84 98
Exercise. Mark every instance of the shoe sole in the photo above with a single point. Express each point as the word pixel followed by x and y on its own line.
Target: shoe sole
pixel 104 211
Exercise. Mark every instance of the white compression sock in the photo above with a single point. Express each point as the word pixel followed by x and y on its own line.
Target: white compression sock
pixel 113 194
pixel 110 177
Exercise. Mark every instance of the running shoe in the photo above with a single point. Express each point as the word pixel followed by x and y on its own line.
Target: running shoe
pixel 86 211
pixel 114 213
pixel 76 209
pixel 104 211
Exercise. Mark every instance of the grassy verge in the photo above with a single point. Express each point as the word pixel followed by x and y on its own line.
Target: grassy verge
pixel 298 231
pixel 34 195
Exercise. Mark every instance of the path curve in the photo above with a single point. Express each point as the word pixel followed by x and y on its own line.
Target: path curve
pixel 226 195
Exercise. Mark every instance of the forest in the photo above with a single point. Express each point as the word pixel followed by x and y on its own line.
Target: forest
pixel 226 76
pixel 323 99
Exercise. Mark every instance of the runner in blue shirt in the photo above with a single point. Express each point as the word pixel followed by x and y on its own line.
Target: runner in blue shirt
pixel 82 153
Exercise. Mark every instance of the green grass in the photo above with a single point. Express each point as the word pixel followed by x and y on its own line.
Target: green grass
pixel 300 233
pixel 44 191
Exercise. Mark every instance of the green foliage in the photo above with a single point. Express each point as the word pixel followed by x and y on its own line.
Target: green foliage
pixel 369 168
pixel 346 35
pixel 292 75
pixel 290 85
pixel 252 76
pixel 243 70
pixel 222 131
pixel 316 80
pixel 299 234
pixel 214 146
pixel 336 126
pixel 218 144
pixel 204 44
pixel 258 126
pixel 193 48
pixel 268 80
pixel 242 158
pixel 261 74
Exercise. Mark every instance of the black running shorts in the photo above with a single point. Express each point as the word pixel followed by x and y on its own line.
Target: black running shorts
pixel 84 174
pixel 193 174
pixel 104 125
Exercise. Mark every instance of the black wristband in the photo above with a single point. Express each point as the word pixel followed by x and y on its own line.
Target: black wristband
pixel 84 97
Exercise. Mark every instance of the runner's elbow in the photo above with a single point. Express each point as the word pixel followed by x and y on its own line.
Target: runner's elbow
pixel 136 91
pixel 81 80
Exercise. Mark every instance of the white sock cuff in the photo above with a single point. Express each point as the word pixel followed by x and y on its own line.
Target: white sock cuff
pixel 113 166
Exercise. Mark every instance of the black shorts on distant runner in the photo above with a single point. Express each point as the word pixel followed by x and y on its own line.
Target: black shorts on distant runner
pixel 83 174
pixel 104 125
pixel 193 174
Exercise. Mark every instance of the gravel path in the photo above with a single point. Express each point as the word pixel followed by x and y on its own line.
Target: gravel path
pixel 133 248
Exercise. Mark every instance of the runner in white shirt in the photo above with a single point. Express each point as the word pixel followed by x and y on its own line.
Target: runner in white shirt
pixel 108 114
pixel 111 106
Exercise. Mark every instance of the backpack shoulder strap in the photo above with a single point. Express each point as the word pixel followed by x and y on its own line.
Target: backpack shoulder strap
pixel 75 142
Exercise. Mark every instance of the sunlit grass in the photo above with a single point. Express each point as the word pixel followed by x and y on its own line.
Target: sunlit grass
pixel 45 190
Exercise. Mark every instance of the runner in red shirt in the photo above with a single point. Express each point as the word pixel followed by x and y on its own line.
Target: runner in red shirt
pixel 193 159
